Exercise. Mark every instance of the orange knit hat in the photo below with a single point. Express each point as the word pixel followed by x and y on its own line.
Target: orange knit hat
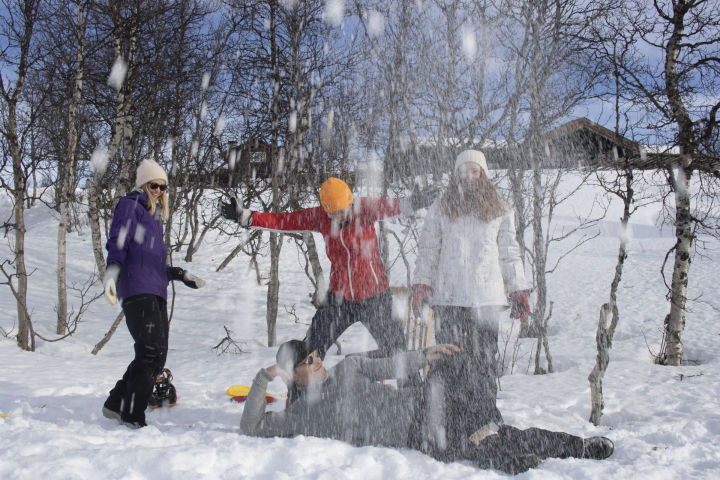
pixel 335 195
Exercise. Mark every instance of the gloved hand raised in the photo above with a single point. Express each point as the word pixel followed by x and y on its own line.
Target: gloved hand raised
pixel 421 294
pixel 190 280
pixel 233 211
pixel 112 273
pixel 519 305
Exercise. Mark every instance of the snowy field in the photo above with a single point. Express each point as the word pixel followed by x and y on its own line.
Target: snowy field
pixel 665 422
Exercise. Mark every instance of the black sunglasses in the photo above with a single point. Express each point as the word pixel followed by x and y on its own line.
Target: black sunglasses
pixel 155 186
pixel 308 361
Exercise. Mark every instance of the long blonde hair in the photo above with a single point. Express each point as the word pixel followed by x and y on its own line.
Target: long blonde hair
pixel 162 200
pixel 480 200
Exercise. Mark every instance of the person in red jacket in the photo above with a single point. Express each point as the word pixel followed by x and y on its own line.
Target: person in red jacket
pixel 358 283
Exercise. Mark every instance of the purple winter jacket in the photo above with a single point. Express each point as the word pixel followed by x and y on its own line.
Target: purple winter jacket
pixel 136 244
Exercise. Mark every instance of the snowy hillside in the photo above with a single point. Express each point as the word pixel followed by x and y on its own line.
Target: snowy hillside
pixel 665 421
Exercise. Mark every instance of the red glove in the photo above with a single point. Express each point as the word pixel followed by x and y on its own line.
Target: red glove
pixel 421 293
pixel 519 304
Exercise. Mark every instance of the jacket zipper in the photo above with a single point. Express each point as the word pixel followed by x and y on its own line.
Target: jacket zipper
pixel 372 270
pixel 342 242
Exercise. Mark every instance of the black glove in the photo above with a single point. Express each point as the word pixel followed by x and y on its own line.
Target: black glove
pixel 233 211
pixel 190 280
pixel 421 198
pixel 176 273
pixel 230 210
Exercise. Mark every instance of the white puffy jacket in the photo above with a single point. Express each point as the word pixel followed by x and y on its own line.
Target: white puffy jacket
pixel 469 263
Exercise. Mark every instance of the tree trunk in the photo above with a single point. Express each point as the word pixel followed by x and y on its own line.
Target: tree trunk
pixel 516 184
pixel 63 225
pixel 320 285
pixel 19 230
pixel 275 242
pixel 122 129
pixel 678 295
pixel 66 181
pixel 598 372
pixel 675 322
pixel 94 220
pixel 540 255
pixel 609 314
pixel 19 190
pixel 109 334
pixel 194 246
pixel 273 287
pixel 119 137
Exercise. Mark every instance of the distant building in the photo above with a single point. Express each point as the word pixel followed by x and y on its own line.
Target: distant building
pixel 248 161
pixel 579 143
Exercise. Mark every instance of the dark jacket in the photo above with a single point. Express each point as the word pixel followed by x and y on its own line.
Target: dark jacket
pixel 350 405
pixel 136 244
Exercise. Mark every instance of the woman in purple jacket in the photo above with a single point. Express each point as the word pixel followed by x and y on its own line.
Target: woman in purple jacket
pixel 137 274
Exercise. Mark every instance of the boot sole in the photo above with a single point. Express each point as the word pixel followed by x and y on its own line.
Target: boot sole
pixel 111 414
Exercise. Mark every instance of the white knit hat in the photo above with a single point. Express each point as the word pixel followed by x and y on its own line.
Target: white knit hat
pixel 474 156
pixel 147 171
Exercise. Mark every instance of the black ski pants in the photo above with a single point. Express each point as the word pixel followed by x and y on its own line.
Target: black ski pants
pixel 504 448
pixel 335 315
pixel 146 318
pixel 463 388
pixel 532 441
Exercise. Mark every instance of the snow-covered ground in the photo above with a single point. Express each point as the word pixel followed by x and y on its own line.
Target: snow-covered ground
pixel 665 422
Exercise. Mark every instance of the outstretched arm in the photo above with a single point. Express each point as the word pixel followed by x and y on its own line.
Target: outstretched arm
pixel 372 209
pixel 309 219
pixel 401 365
pixel 255 421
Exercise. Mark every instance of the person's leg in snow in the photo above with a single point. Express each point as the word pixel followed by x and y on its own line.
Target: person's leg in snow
pixel 146 318
pixel 510 449
pixel 467 381
pixel 330 320
pixel 335 316
pixel 507 448
pixel 375 314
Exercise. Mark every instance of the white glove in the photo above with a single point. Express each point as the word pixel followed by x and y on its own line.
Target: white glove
pixel 245 217
pixel 112 272
pixel 111 291
pixel 192 281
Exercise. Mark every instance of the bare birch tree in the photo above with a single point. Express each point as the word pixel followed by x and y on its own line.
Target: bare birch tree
pixel 67 168
pixel 17 24
pixel 669 67
pixel 551 77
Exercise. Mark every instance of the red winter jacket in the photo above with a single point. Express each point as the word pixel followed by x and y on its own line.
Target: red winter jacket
pixel 356 272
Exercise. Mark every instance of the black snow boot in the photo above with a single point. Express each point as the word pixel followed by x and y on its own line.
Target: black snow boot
pixel 164 392
pixel 597 448
pixel 113 404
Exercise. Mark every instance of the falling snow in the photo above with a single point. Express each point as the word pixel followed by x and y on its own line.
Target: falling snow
pixel 117 74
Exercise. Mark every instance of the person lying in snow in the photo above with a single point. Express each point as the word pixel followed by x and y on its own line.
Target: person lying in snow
pixel 347 403
pixel 358 283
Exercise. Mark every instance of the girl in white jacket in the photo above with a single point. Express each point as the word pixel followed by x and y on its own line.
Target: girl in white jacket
pixel 468 266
